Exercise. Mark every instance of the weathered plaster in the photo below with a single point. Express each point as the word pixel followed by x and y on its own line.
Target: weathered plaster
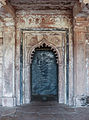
pixel 76 21
pixel 8 97
pixel 1 60
pixel 81 59
pixel 27 20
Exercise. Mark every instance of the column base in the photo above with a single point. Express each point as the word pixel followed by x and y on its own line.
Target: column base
pixel 9 101
pixel 80 101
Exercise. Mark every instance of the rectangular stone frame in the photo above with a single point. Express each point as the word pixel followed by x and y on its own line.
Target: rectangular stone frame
pixel 66 69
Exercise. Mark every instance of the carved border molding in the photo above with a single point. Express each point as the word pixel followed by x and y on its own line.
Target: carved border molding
pixel 57 50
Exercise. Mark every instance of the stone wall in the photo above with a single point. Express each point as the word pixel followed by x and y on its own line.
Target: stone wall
pixel 12 38
pixel 42 20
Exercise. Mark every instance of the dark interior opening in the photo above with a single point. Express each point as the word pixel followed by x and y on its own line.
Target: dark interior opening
pixel 44 74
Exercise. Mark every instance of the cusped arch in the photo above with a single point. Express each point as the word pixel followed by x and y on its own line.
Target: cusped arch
pixel 46 45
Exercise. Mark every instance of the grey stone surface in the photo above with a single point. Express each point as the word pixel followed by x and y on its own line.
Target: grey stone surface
pixel 44 111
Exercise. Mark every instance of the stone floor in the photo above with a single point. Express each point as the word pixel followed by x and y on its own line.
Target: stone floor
pixel 44 111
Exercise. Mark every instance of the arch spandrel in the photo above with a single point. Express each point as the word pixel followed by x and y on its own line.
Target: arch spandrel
pixel 51 39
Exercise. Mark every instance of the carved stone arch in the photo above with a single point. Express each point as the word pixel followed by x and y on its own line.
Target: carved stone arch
pixel 40 44
pixel 58 46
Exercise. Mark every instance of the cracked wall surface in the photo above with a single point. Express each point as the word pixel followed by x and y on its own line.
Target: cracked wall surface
pixel 15 30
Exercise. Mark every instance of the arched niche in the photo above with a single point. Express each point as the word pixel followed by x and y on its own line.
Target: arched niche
pixel 56 41
pixel 44 74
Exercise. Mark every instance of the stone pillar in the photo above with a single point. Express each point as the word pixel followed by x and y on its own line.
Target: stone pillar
pixel 79 62
pixel 87 56
pixel 9 98
pixel 1 60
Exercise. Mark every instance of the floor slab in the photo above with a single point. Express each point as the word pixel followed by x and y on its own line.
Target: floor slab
pixel 44 111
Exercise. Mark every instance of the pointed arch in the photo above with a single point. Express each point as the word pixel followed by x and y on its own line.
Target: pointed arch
pixel 43 44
